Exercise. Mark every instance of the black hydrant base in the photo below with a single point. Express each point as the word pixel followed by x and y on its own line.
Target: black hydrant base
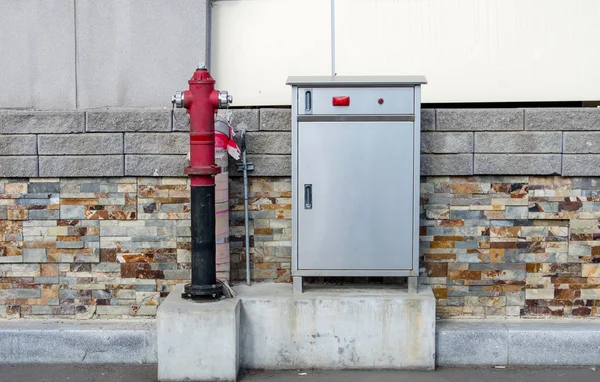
pixel 202 291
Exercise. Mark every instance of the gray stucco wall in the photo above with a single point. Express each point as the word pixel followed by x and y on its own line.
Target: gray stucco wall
pixel 141 142
pixel 67 54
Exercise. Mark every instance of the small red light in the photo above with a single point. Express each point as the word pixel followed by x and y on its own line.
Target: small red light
pixel 341 101
pixel 380 101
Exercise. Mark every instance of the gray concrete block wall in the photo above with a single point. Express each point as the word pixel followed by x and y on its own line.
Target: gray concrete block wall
pixel 128 120
pixel 267 165
pixel 428 117
pixel 563 119
pixel 517 141
pixel 479 119
pixel 582 142
pixel 80 166
pixel 143 142
pixel 91 143
pixel 275 119
pixel 80 144
pixel 447 164
pixel 155 165
pixel 40 122
pixel 268 140
pixel 446 142
pixel 517 164
pixel 581 165
pixel 241 119
pixel 269 143
pixel 66 54
pixel 18 166
pixel 18 145
pixel 156 143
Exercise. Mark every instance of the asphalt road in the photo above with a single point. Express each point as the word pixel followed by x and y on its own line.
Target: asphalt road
pixel 128 373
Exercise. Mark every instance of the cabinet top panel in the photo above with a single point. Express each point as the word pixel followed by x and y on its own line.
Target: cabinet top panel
pixel 355 81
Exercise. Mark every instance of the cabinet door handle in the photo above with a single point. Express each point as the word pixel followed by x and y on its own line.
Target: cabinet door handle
pixel 308 102
pixel 308 196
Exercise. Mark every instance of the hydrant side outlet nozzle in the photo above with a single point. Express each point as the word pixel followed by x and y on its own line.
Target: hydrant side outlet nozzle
pixel 224 99
pixel 177 99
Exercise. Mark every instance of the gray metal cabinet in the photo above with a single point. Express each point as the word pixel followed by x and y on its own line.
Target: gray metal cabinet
pixel 355 176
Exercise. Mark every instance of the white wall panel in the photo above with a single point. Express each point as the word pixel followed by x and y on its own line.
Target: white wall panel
pixel 474 50
pixel 470 50
pixel 257 44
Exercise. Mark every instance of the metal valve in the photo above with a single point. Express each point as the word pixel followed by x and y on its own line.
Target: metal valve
pixel 224 99
pixel 177 99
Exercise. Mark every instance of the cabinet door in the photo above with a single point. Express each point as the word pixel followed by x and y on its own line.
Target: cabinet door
pixel 357 178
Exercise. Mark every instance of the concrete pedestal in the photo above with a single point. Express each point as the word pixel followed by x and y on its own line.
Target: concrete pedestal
pixel 197 341
pixel 336 328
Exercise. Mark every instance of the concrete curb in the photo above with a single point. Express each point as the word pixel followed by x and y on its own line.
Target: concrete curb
pixel 458 342
pixel 75 342
pixel 518 343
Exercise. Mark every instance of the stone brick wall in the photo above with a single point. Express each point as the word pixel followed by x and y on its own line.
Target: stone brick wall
pixel 512 141
pixel 113 247
pixel 491 246
pixel 512 246
pixel 84 247
pixel 94 210
pixel 128 142
pixel 142 142
pixel 270 214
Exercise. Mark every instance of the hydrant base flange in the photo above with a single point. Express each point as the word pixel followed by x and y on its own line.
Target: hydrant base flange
pixel 202 291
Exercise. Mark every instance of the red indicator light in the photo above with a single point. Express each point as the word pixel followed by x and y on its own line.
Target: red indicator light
pixel 341 101
pixel 380 101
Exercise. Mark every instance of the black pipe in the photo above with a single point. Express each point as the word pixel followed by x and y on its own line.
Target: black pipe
pixel 204 247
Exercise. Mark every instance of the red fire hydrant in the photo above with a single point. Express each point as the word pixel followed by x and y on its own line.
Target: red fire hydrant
pixel 202 102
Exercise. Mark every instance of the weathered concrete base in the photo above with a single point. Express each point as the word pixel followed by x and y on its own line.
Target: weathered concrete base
pixel 94 341
pixel 265 321
pixel 197 341
pixel 336 328
pixel 518 343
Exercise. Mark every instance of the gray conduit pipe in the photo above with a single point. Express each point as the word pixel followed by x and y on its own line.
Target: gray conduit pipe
pixel 245 166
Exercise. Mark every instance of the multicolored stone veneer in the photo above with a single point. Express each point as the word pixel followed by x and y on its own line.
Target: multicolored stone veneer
pixel 512 246
pixel 492 246
pixel 114 247
pixel 85 247
pixel 270 213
